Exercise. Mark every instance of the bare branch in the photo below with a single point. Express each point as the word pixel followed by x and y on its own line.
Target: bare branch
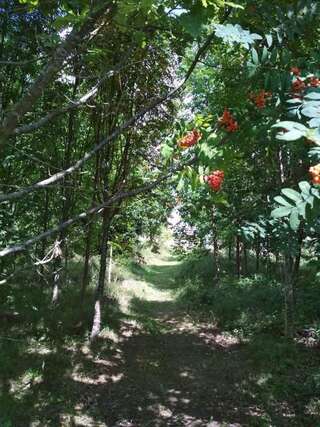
pixel 71 106
pixel 115 198
pixel 28 61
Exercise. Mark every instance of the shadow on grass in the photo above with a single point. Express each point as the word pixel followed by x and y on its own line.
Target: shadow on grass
pixel 170 372
pixel 177 377
pixel 39 346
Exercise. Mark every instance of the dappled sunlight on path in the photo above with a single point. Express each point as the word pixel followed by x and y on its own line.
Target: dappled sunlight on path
pixel 156 365
pixel 166 368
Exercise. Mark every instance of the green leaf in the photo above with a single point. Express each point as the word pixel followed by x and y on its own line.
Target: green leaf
pixel 314 122
pixel 181 183
pixel 291 194
pixel 234 5
pixel 315 192
pixel 269 40
pixel 294 130
pixel 282 201
pixel 255 57
pixel 290 126
pixel 311 111
pixel 313 95
pixel 305 187
pixel 281 212
pixel 294 220
pixel 291 135
pixel 166 151
pixel 265 54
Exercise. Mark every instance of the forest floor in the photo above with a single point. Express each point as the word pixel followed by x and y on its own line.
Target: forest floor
pixel 156 365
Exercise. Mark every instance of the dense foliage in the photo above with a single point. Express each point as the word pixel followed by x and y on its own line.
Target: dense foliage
pixel 115 116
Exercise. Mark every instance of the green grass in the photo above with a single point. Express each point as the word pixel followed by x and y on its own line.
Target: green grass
pixel 251 305
pixel 42 349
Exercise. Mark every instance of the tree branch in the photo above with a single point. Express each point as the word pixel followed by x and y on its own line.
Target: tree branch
pixel 158 101
pixel 71 106
pixel 107 203
pixel 25 104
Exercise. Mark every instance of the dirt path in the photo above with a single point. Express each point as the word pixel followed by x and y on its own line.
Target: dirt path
pixel 153 366
pixel 164 368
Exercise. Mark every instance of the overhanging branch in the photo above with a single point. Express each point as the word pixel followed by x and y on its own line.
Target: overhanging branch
pixel 25 104
pixel 158 101
pixel 82 216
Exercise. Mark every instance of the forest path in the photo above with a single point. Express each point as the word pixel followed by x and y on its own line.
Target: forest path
pixel 165 368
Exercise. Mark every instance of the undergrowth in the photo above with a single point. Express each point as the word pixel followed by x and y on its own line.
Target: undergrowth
pixel 249 305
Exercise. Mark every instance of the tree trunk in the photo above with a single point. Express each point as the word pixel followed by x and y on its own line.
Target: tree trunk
pixel 44 241
pixel 288 296
pixel 57 256
pixel 86 266
pixel 298 255
pixel 238 257
pixel 96 323
pixel 230 252
pixel 67 200
pixel 89 229
pixel 110 265
pixel 245 260
pixel 216 263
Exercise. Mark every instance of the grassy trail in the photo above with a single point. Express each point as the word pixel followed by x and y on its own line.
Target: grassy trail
pixel 174 370
pixel 155 366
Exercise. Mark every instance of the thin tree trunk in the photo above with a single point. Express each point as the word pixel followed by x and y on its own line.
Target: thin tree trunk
pixel 215 254
pixel 298 255
pixel 88 240
pixel 86 266
pixel 67 201
pixel 288 296
pixel 44 242
pixel 216 263
pixel 245 260
pixel 238 257
pixel 57 255
pixel 96 323
pixel 230 252
pixel 110 265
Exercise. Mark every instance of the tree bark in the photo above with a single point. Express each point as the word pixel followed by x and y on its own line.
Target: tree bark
pixel 86 266
pixel 288 296
pixel 238 257
pixel 110 265
pixel 98 300
pixel 216 262
pixel 245 259
pixel 298 255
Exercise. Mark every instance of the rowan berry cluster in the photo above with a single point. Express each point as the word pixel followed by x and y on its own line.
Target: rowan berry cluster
pixel 215 179
pixel 298 85
pixel 190 139
pixel 260 98
pixel 315 173
pixel 228 121
pixel 313 81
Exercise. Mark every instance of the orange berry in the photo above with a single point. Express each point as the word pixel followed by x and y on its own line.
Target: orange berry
pixel 316 180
